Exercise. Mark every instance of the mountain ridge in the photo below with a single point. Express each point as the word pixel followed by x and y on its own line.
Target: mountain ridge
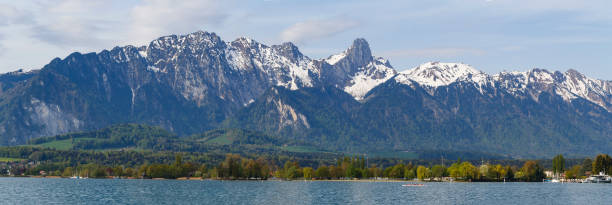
pixel 196 82
pixel 361 73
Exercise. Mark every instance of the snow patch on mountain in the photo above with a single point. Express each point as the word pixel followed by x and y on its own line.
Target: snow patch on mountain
pixel 403 79
pixel 335 58
pixel 513 82
pixel 248 102
pixel 244 54
pixel 436 74
pixel 594 90
pixel 569 85
pixel 432 75
pixel 236 60
pixel 354 70
pixel 155 69
pixel 368 77
pixel 143 53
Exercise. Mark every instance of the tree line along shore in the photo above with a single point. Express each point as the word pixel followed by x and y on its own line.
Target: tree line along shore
pixel 235 167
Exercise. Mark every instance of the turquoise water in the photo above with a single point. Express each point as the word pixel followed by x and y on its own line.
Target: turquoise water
pixel 109 191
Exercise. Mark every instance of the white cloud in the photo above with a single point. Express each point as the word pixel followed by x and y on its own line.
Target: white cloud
pixel 6 13
pixel 94 25
pixel 154 18
pixel 586 10
pixel 316 29
pixel 434 52
pixel 2 47
pixel 512 48
pixel 73 23
pixel 9 14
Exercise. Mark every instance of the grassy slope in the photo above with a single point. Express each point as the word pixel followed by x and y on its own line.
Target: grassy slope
pixel 215 138
pixel 228 139
pixel 61 144
pixel 301 149
pixel 398 155
pixel 8 159
pixel 221 140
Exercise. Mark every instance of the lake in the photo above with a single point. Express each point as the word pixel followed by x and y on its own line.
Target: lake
pixel 115 191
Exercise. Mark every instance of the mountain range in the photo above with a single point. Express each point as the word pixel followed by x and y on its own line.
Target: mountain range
pixel 351 101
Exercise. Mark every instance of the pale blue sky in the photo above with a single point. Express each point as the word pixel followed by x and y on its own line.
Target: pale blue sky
pixel 491 35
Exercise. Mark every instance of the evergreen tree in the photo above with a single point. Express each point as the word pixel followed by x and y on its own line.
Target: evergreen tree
pixel 602 163
pixel 587 165
pixel 558 164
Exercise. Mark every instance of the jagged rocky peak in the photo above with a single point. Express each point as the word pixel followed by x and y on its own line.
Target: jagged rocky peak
pixel 596 91
pixel 574 76
pixel 569 85
pixel 436 74
pixel 538 79
pixel 383 61
pixel 283 65
pixel 289 51
pixel 245 47
pixel 125 53
pixel 572 72
pixel 356 70
pixel 244 43
pixel 543 76
pixel 250 47
pixel 359 54
pixel 537 76
pixel 199 40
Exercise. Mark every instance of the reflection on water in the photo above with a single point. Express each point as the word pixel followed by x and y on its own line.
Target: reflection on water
pixel 92 191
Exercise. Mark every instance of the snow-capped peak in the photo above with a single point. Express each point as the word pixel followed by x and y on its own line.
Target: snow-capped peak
pixel 368 77
pixel 569 85
pixel 435 74
pixel 283 64
pixel 596 91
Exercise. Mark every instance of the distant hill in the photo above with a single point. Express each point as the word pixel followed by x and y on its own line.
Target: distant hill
pixel 113 137
pixel 150 138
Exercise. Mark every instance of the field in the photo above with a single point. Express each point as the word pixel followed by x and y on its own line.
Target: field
pixel 8 159
pixel 300 149
pixel 396 155
pixel 66 144
pixel 221 140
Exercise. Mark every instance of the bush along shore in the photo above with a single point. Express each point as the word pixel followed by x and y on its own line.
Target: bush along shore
pixel 235 167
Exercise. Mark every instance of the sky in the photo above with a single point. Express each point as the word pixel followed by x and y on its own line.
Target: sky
pixel 491 35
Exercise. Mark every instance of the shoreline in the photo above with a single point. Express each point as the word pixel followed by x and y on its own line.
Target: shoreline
pixel 281 180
